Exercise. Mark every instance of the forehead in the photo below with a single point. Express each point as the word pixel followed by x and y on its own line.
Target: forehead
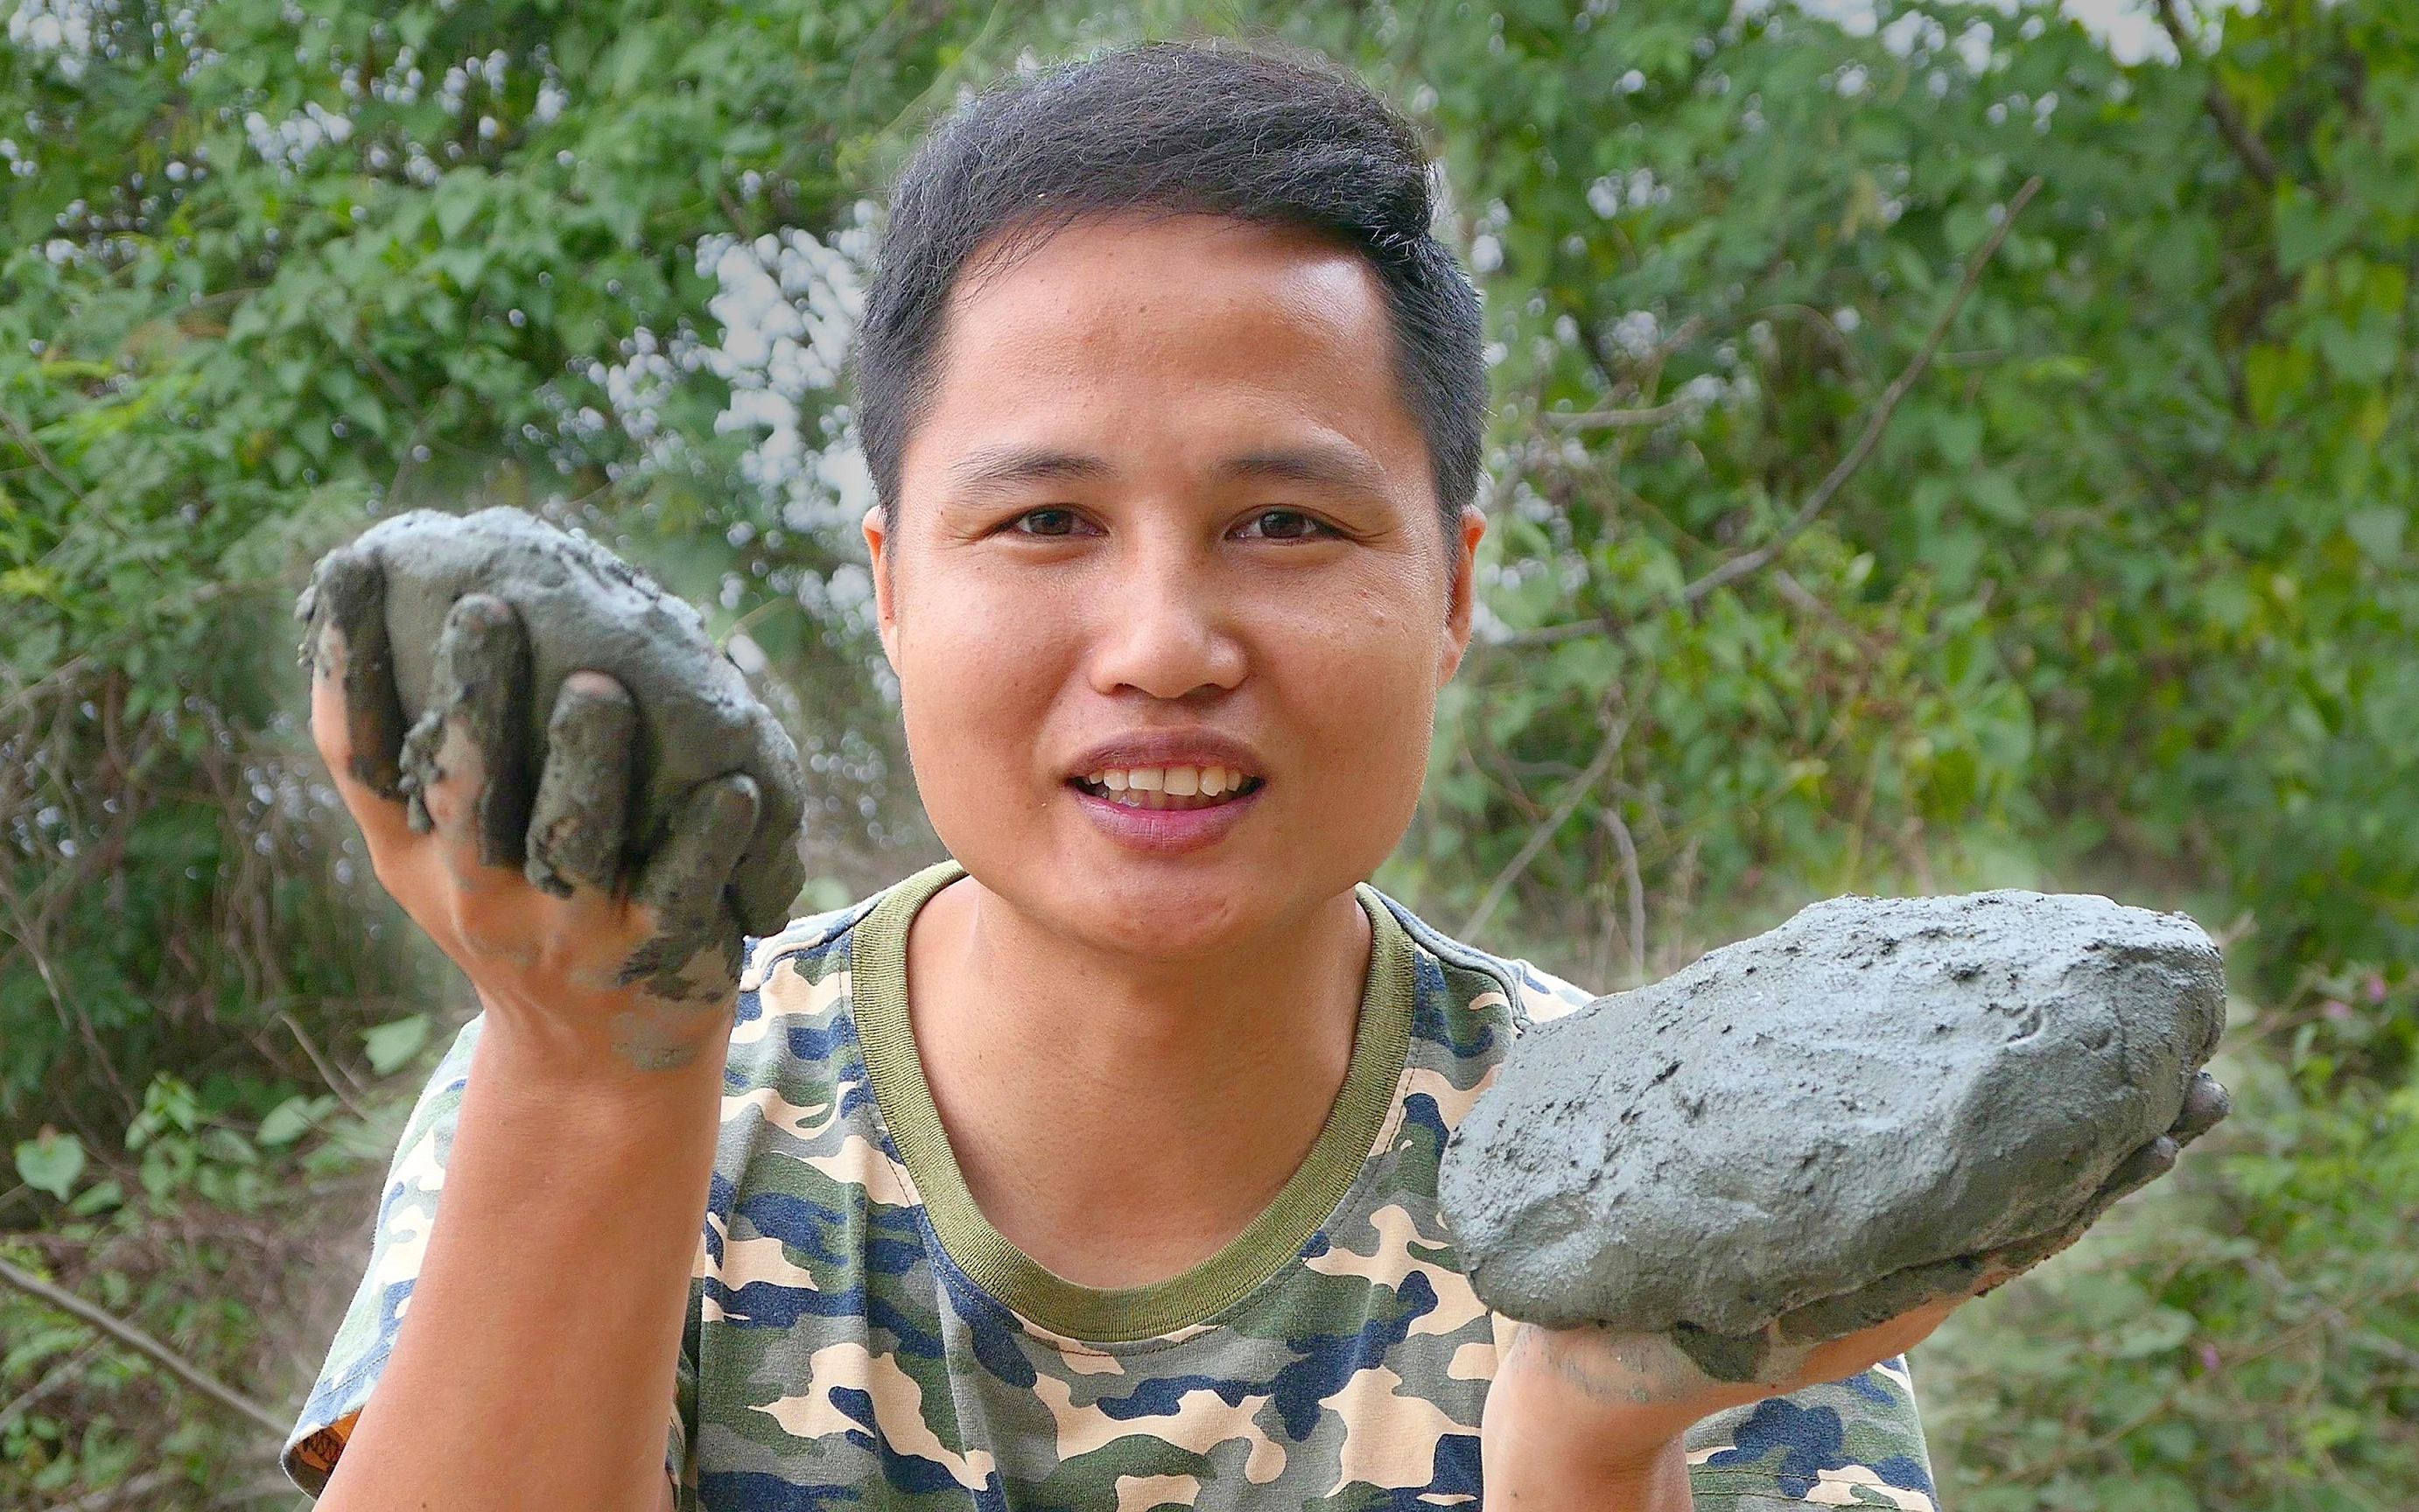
pixel 1168 332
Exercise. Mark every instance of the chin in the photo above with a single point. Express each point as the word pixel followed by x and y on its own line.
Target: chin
pixel 1197 940
pixel 1175 908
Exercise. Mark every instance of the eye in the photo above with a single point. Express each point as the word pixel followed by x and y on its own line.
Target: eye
pixel 1286 525
pixel 1050 522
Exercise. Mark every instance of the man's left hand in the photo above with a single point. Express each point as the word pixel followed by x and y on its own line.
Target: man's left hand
pixel 1587 1418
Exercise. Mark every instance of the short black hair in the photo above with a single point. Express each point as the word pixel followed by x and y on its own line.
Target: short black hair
pixel 1276 138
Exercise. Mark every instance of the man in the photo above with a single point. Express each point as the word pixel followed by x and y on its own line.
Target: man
pixel 1097 1167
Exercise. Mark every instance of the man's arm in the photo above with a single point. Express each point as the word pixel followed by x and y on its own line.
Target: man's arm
pixel 1586 1419
pixel 534 1365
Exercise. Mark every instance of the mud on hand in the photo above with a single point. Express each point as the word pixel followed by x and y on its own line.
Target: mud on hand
pixel 619 754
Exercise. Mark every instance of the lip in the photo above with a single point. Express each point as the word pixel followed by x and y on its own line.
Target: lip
pixel 1170 748
pixel 1165 831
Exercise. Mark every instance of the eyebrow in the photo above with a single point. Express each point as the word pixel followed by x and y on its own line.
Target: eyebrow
pixel 1341 469
pixel 1000 469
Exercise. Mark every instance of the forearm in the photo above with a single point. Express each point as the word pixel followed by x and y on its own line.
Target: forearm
pixel 534 1367
pixel 1544 1472
pixel 1575 1420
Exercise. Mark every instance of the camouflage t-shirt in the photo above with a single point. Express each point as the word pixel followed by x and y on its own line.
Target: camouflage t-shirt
pixel 859 1337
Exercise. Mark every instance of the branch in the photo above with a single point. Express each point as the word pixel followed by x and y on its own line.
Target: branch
pixel 320 1063
pixel 1633 888
pixel 1622 419
pixel 144 1343
pixel 34 449
pixel 52 1380
pixel 1751 561
pixel 1573 796
pixel 119 1494
pixel 2230 124
pixel 1743 565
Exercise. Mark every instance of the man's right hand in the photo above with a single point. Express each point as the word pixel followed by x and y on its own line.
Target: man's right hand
pixel 633 965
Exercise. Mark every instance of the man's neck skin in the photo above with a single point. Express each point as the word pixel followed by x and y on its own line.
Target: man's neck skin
pixel 1120 1121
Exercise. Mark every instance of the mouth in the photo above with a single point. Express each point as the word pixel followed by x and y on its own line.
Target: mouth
pixel 1159 789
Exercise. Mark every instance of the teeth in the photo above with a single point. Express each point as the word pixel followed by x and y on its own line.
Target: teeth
pixel 1166 787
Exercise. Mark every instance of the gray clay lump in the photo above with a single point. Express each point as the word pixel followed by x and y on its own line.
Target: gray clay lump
pixel 483 617
pixel 1832 1123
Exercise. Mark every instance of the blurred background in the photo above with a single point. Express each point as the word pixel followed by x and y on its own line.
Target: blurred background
pixel 1851 533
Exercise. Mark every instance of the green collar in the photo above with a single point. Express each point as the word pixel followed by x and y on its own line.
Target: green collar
pixel 878 965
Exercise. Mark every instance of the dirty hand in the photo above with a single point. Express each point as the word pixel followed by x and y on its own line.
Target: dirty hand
pixel 1592 1417
pixel 515 861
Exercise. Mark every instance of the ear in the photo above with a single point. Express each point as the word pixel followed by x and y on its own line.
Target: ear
pixel 1462 598
pixel 885 602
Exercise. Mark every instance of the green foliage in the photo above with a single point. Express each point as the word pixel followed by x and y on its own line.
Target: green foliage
pixel 50 1163
pixel 2123 595
pixel 2127 574
pixel 266 269
pixel 2246 1335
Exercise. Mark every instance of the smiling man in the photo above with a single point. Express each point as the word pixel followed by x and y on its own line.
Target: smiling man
pixel 1095 1167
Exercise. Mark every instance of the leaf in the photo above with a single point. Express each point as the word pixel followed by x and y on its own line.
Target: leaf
pixel 292 1119
pixel 50 1162
pixel 391 1045
pixel 101 1197
pixel 2155 1331
pixel 1996 495
pixel 1959 435
pixel 459 199
pixel 2378 532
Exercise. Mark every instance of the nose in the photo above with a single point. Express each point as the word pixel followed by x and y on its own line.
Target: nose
pixel 1164 626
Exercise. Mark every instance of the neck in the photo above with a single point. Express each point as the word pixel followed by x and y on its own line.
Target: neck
pixel 1120 1119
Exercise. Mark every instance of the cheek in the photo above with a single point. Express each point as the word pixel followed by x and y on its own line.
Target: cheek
pixel 975 682
pixel 1364 689
pixel 973 724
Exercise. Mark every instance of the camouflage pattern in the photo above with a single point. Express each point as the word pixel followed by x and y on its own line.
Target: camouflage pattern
pixel 837 1356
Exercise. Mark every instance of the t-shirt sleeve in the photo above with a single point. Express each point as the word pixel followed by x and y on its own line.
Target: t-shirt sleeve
pixel 364 1340
pixel 1542 997
pixel 1853 1442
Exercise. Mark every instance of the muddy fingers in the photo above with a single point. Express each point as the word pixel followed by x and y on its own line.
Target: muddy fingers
pixel 464 772
pixel 580 820
pixel 694 952
pixel 346 611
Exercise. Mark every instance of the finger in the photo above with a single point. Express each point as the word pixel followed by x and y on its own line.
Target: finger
pixel 694 949
pixel 1895 1295
pixel 2205 1102
pixel 2006 1264
pixel 2136 1171
pixel 348 641
pixel 464 768
pixel 1730 1357
pixel 582 813
pixel 1867 1348
pixel 766 881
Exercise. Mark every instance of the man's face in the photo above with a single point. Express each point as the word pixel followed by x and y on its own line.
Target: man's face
pixel 1168 525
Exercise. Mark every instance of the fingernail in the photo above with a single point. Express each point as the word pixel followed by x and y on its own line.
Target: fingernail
pixel 306 610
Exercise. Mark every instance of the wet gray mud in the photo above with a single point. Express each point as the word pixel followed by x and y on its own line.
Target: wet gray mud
pixel 1827 1125
pixel 672 782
